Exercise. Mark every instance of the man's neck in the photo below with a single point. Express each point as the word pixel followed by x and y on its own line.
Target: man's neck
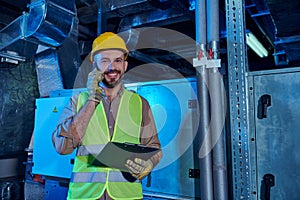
pixel 111 93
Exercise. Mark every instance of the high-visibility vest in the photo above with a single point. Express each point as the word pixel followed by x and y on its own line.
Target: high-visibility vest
pixel 89 181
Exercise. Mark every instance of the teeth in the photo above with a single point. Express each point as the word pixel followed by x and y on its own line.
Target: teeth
pixel 112 74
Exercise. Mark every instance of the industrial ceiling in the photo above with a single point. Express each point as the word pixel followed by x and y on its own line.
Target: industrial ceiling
pixel 276 23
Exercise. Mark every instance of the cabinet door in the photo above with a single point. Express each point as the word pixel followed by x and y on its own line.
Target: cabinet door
pixel 46 160
pixel 278 134
pixel 174 109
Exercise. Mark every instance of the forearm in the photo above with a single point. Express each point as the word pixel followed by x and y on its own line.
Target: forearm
pixel 149 138
pixel 153 142
pixel 149 135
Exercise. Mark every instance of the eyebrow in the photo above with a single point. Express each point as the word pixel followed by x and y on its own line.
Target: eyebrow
pixel 106 58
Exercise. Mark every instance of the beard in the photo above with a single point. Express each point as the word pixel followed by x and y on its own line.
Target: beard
pixel 112 81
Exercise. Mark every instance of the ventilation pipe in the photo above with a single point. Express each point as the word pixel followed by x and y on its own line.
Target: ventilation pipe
pixel 48 22
pixel 100 20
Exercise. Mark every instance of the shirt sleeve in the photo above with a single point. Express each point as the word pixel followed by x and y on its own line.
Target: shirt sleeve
pixel 149 136
pixel 63 141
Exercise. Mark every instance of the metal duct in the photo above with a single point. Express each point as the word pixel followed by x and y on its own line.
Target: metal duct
pixel 48 72
pixel 165 17
pixel 48 22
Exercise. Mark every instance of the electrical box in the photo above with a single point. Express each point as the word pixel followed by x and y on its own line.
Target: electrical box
pixel 46 160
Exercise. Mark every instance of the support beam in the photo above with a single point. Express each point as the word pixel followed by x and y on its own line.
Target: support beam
pixel 237 67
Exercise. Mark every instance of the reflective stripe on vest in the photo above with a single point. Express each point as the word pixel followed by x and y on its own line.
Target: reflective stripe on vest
pixel 90 149
pixel 99 177
pixel 86 177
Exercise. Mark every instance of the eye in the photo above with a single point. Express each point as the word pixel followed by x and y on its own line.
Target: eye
pixel 104 61
pixel 119 60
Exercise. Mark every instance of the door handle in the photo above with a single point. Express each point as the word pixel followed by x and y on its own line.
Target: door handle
pixel 263 103
pixel 266 184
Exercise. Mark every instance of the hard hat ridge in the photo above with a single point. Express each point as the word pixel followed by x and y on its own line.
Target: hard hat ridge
pixel 108 40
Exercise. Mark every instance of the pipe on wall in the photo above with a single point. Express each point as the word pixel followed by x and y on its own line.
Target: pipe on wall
pixel 220 186
pixel 206 183
pixel 212 154
pixel 213 24
pixel 218 136
pixel 100 15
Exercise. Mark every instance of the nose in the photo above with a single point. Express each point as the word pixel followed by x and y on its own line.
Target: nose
pixel 110 66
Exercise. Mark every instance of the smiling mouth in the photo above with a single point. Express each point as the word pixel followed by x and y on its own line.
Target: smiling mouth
pixel 112 74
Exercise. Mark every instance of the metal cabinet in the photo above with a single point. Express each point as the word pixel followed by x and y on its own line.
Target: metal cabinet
pixel 175 110
pixel 276 123
pixel 46 160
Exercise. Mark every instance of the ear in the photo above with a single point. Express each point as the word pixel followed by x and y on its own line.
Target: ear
pixel 125 65
pixel 94 65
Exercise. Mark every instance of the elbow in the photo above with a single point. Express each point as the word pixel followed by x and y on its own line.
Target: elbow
pixel 60 146
pixel 65 151
pixel 57 146
pixel 62 150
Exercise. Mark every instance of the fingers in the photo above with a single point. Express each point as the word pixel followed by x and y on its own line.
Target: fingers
pixel 134 168
pixel 96 92
pixel 95 74
pixel 139 168
pixel 139 161
pixel 95 69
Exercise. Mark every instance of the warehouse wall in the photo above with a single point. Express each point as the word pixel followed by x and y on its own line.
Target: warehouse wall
pixel 18 91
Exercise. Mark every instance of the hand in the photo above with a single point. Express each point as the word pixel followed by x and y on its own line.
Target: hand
pixel 139 168
pixel 96 92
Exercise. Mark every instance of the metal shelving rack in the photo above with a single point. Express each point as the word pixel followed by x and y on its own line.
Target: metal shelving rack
pixel 242 187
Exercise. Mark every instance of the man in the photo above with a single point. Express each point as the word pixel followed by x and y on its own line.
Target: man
pixel 107 112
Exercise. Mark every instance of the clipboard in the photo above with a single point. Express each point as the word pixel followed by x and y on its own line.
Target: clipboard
pixel 115 155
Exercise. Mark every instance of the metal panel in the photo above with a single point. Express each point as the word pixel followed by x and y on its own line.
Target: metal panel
pixel 46 160
pixel 237 66
pixel 277 135
pixel 8 167
pixel 48 72
pixel 54 190
pixel 174 115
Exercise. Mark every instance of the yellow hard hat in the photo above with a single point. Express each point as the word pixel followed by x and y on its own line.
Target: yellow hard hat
pixel 108 40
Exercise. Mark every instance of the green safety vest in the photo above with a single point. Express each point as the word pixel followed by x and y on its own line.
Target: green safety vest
pixel 89 181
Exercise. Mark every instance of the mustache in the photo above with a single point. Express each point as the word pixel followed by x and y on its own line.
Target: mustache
pixel 112 71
